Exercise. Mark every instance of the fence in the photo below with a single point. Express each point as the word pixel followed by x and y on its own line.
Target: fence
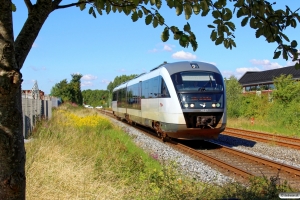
pixel 36 109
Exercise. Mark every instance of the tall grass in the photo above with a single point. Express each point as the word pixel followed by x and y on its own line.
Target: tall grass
pixel 79 154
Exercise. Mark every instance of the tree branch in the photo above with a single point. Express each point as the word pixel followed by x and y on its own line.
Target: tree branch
pixel 28 5
pixel 70 5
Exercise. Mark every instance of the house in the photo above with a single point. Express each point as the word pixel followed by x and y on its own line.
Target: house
pixel 263 80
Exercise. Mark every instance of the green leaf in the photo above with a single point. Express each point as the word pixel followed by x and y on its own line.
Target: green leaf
pixel 231 41
pixel 226 44
pixel 170 3
pixel 216 14
pixel 253 23
pixel 152 2
pixel 148 19
pixel 240 12
pixel 297 66
pixel 114 9
pixel 204 13
pixel 13 7
pixel 140 13
pixel 244 21
pixel 196 9
pixel 284 36
pixel 294 43
pixel 134 16
pixel 187 27
pixel 94 14
pixel 146 2
pixel 99 11
pixel 230 25
pixel 145 10
pixel 219 40
pixel 277 54
pixel 158 4
pixel 259 32
pixel 188 11
pixel 120 9
pixel 204 6
pixel 90 10
pixel 213 35
pixel 211 26
pixel 155 22
pixel 194 44
pixel 82 6
pixel 284 55
pixel 165 35
pixel 239 3
pixel 179 10
pixel 108 8
pixel 293 23
pixel 228 14
pixel 136 2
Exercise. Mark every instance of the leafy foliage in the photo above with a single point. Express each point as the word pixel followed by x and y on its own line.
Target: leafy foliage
pixel 119 80
pixel 281 107
pixel 233 96
pixel 69 91
pixel 258 14
pixel 96 97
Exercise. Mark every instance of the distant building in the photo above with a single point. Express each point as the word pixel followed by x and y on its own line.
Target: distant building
pixel 263 80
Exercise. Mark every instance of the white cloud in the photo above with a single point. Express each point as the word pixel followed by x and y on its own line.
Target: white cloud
pixel 153 50
pixel 38 68
pixel 105 81
pixel 266 64
pixel 34 45
pixel 89 77
pixel 86 83
pixel 241 71
pixel 184 55
pixel 122 70
pixel 167 47
pixel 227 74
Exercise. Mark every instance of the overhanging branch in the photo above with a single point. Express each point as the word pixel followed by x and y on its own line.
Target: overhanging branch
pixel 28 5
pixel 71 4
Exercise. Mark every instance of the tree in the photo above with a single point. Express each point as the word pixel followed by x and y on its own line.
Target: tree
pixel 68 91
pixel 267 22
pixel 119 80
pixel 233 96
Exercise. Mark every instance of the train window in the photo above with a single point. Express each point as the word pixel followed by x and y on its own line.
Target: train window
pixel 197 81
pixel 153 87
pixel 164 89
pixel 115 96
pixel 145 89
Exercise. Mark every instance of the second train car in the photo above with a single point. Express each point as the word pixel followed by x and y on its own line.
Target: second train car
pixel 183 100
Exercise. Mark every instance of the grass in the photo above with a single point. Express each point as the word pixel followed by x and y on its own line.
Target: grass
pixel 79 154
pixel 262 126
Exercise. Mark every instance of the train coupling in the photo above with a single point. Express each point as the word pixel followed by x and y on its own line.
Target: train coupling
pixel 206 121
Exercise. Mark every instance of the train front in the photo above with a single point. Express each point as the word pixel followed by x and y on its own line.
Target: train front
pixel 201 95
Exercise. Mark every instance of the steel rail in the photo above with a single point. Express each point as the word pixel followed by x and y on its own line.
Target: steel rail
pixel 264 137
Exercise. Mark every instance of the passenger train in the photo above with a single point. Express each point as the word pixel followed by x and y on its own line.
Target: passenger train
pixel 183 100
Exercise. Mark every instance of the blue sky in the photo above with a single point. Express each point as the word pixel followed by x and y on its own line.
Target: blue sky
pixel 72 41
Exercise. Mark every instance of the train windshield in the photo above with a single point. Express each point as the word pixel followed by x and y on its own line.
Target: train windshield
pixel 197 81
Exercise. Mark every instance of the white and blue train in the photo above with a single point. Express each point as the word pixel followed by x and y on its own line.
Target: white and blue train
pixel 183 100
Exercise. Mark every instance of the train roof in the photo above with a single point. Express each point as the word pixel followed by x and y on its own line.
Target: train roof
pixel 175 67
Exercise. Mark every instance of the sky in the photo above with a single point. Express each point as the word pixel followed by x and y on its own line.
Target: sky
pixel 72 41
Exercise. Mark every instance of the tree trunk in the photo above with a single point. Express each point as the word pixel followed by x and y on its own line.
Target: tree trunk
pixel 12 151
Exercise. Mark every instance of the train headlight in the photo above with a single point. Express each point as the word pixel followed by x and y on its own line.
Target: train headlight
pixel 213 105
pixel 192 105
pixel 186 105
pixel 218 105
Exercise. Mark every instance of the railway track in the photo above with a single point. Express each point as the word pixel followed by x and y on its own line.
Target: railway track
pixel 234 163
pixel 264 137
